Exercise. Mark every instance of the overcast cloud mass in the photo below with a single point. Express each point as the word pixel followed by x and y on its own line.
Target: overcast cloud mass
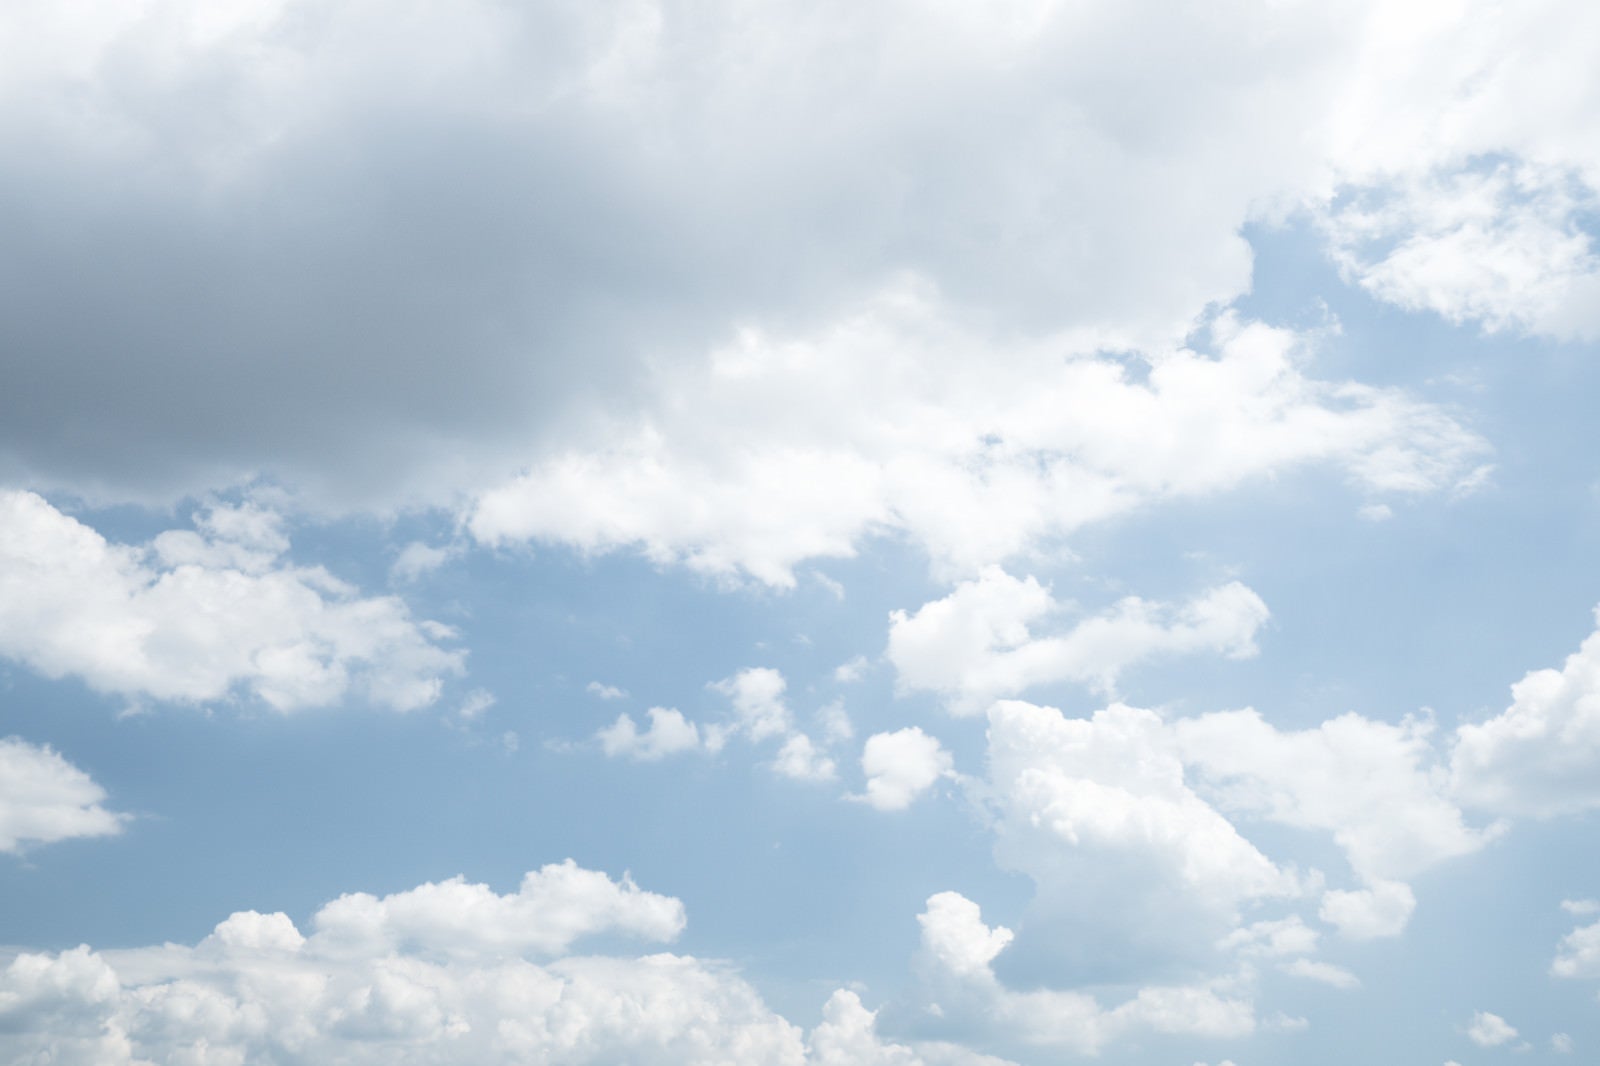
pixel 914 533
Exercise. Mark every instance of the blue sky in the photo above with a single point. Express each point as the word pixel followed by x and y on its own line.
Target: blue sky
pixel 907 535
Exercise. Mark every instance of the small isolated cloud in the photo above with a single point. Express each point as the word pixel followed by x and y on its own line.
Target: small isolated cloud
pixel 800 760
pixel 901 766
pixel 848 673
pixel 1561 1043
pixel 1580 906
pixel 669 734
pixel 977 644
pixel 1376 512
pixel 1382 909
pixel 605 692
pixel 1578 954
pixel 418 559
pixel 475 705
pixel 835 722
pixel 758 705
pixel 205 614
pixel 1325 972
pixel 44 798
pixel 1489 1030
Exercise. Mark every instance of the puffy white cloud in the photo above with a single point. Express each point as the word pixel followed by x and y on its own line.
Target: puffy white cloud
pixel 1325 972
pixel 847 1036
pixel 204 614
pixel 1373 785
pixel 435 975
pixel 44 798
pixel 1075 794
pixel 669 734
pixel 1272 939
pixel 605 692
pixel 958 950
pixel 1541 756
pixel 1381 909
pixel 901 766
pixel 800 760
pixel 976 644
pixel 757 696
pixel 790 448
pixel 554 906
pixel 1578 954
pixel 1489 1030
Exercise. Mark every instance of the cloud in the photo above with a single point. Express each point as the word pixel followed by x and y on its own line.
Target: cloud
pixel 605 692
pixel 1489 1030
pixel 448 972
pixel 205 614
pixel 1325 972
pixel 757 697
pixel 797 448
pixel 1379 910
pixel 44 798
pixel 975 644
pixel 1578 954
pixel 1541 756
pixel 669 734
pixel 901 766
pixel 957 954
pixel 800 760
pixel 1374 786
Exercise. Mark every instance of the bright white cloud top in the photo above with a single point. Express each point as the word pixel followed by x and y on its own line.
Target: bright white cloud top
pixel 1020 518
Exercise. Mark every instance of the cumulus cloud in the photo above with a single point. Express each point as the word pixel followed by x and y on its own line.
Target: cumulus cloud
pixel 44 798
pixel 1489 1030
pixel 448 972
pixel 1381 909
pixel 205 614
pixel 958 950
pixel 976 644
pixel 1578 954
pixel 800 760
pixel 885 422
pixel 758 705
pixel 669 734
pixel 901 766
pixel 1541 756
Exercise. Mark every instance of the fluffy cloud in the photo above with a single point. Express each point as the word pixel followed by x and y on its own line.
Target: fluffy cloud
pixel 1381 909
pixel 44 798
pixel 800 760
pixel 795 448
pixel 901 766
pixel 975 644
pixel 1578 955
pixel 958 950
pixel 669 734
pixel 1373 785
pixel 1541 756
pixel 1489 1030
pixel 204 614
pixel 443 973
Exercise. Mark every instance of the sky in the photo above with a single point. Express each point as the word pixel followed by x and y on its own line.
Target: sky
pixel 902 534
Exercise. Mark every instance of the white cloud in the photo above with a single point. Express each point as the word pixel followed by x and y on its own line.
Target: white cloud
pixel 976 644
pixel 441 973
pixel 1578 954
pixel 851 671
pixel 416 560
pixel 1379 910
pixel 1078 796
pixel 1325 972
pixel 1561 1043
pixel 44 798
pixel 475 705
pixel 757 697
pixel 1272 938
pixel 800 760
pixel 1489 1030
pixel 880 423
pixel 835 722
pixel 204 614
pixel 605 692
pixel 901 766
pixel 958 950
pixel 1541 756
pixel 1374 786
pixel 669 734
